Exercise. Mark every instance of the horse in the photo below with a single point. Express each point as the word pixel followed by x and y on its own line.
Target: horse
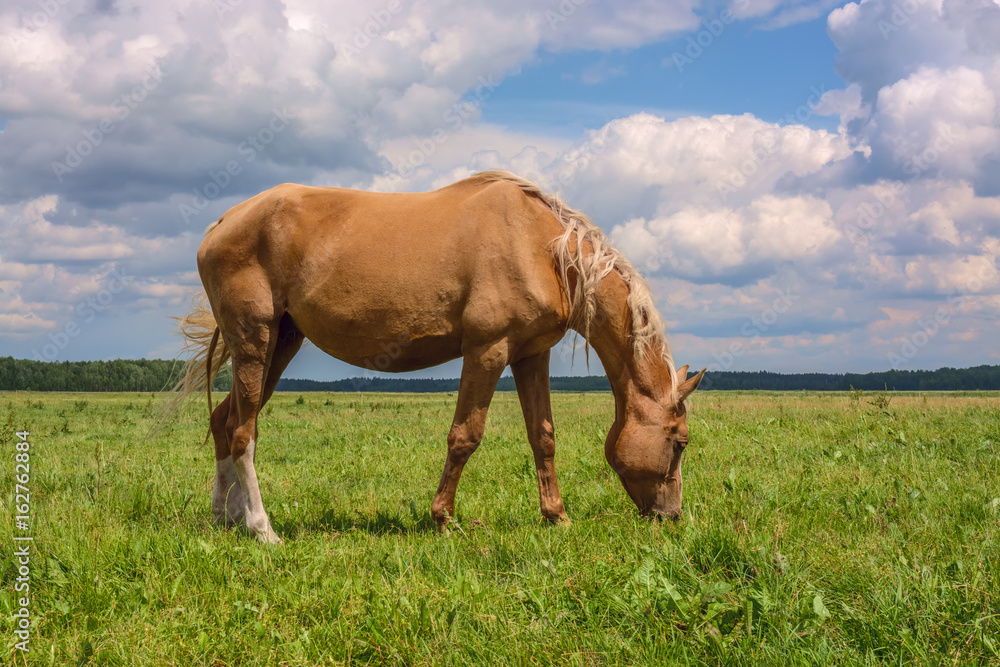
pixel 490 269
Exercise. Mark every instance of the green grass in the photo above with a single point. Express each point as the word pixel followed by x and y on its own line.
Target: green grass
pixel 818 529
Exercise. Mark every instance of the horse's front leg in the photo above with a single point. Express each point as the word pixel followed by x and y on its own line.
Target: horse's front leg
pixel 531 376
pixel 481 370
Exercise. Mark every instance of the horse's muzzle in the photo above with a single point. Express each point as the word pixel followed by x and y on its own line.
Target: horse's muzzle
pixel 657 515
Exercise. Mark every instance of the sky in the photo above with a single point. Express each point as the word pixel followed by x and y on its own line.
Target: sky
pixel 807 185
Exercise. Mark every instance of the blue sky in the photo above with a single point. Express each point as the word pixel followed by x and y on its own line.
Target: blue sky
pixel 840 155
pixel 768 73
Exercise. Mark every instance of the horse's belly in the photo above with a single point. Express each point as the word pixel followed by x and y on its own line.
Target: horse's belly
pixel 390 339
pixel 393 355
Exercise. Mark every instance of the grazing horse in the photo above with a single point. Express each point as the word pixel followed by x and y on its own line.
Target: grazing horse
pixel 490 269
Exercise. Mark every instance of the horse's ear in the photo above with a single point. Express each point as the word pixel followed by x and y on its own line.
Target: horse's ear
pixel 687 387
pixel 682 373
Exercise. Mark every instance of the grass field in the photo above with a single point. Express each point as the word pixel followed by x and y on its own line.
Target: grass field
pixel 818 529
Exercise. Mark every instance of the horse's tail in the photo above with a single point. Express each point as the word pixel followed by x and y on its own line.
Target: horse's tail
pixel 208 354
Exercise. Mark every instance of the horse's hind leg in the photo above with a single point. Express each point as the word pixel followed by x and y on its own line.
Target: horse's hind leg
pixel 228 503
pixel 531 377
pixel 228 506
pixel 288 344
pixel 250 360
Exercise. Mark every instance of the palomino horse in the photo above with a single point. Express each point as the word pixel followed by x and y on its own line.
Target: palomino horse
pixel 490 269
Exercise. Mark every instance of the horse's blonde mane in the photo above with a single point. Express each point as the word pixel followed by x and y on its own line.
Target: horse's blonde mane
pixel 648 329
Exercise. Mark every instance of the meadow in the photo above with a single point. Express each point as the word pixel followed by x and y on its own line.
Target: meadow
pixel 838 528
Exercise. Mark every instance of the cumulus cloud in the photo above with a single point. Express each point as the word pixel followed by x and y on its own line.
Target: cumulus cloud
pixel 656 166
pixel 929 79
pixel 51 273
pixel 150 99
pixel 732 246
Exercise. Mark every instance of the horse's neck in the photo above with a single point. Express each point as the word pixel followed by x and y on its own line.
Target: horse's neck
pixel 640 382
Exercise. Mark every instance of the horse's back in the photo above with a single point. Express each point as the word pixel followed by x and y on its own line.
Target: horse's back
pixel 414 273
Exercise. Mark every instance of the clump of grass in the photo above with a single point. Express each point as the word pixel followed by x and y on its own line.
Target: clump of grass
pixel 881 400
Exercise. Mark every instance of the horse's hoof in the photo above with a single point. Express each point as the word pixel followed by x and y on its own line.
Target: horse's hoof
pixel 269 537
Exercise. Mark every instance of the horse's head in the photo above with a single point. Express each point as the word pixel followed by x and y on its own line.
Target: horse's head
pixel 646 452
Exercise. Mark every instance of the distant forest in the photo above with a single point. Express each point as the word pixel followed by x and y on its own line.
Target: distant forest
pixel 943 379
pixel 118 375
pixel 143 375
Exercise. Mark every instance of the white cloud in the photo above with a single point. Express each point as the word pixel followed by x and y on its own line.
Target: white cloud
pixel 925 71
pixel 661 167
pixel 352 74
pixel 49 271
pixel 732 245
pixel 774 14
pixel 599 73
pixel 949 115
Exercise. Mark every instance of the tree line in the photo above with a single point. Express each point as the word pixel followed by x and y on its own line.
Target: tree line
pixel 422 385
pixel 943 379
pixel 145 375
pixel 140 375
